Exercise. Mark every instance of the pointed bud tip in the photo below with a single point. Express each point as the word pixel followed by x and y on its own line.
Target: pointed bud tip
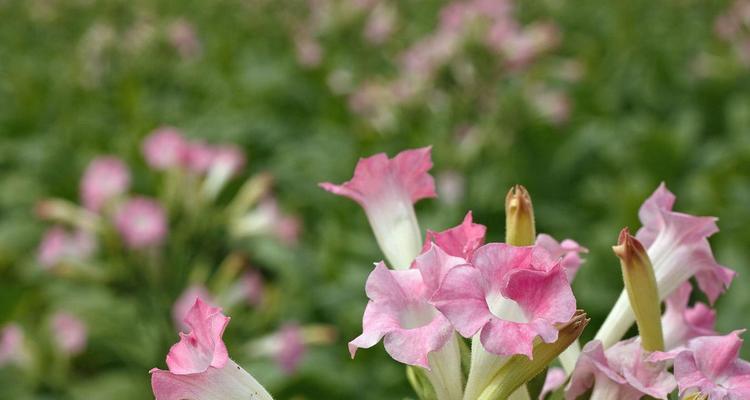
pixel 628 246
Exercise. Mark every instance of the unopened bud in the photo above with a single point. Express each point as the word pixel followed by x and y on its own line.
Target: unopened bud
pixel 519 217
pixel 640 284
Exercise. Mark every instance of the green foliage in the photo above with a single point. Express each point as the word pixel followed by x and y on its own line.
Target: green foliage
pixel 659 98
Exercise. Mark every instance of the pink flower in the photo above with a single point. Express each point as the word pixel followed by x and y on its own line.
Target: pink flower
pixel 568 250
pixel 308 49
pixel 185 303
pixel 69 333
pixel 387 189
pixel 459 241
pixel 252 284
pixel 184 39
pixel 619 373
pixel 682 323
pixel 678 246
pixel 511 294
pixel 451 187
pixel 555 378
pixel 291 348
pixel 710 365
pixel 59 245
pixel 198 156
pixel 165 148
pixel 380 24
pixel 105 178
pixel 12 348
pixel 399 313
pixel 141 222
pixel 199 365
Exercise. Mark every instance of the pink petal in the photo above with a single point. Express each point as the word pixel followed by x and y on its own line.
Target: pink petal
pixel 555 378
pixel 542 294
pixel 569 250
pixel 69 332
pixel 373 175
pixel 507 338
pixel 185 303
pixel 459 241
pixel 434 264
pixel 682 323
pixel 292 348
pixel 202 346
pixel 461 298
pixel 412 346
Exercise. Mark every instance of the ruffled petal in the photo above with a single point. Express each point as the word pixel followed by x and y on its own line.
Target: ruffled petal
pixel 230 382
pixel 203 346
pixel 459 241
pixel 434 264
pixel 461 298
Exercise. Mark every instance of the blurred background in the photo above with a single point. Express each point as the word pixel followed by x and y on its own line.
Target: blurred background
pixel 589 104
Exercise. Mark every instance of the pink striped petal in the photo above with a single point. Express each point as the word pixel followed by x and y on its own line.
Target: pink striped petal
pixel 203 346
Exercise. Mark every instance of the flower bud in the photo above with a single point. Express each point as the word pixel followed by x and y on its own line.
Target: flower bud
pixel 640 284
pixel 519 369
pixel 519 217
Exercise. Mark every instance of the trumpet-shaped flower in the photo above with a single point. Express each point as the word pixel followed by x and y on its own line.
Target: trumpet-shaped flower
pixel 459 241
pixel 682 323
pixel 399 313
pixel 198 156
pixel 511 294
pixel 69 333
pixel 165 148
pixel 225 162
pixel 12 347
pixel 710 366
pixel 141 222
pixel 105 178
pixel 568 250
pixel 677 245
pixel 387 190
pixel 199 365
pixel 622 372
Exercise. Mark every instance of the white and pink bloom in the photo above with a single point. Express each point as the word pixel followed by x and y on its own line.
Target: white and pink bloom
pixel 59 245
pixel 710 366
pixel 199 364
pixel 682 323
pixel 226 162
pixel 413 331
pixel 622 372
pixel 165 148
pixel 507 297
pixel 268 219
pixel 106 178
pixel 69 333
pixel 678 247
pixel 142 222
pixel 387 190
pixel 183 37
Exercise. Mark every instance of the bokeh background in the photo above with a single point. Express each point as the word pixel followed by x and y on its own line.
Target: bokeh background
pixel 589 104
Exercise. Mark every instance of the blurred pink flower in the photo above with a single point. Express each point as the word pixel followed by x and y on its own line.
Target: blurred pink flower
pixel 552 105
pixel 510 295
pixel 268 219
pixel 380 24
pixel 69 333
pixel 165 148
pixel 555 378
pixel 291 348
pixel 184 39
pixel 199 365
pixel 227 161
pixel 105 178
pixel 141 222
pixel 308 49
pixel 12 348
pixel 451 187
pixel 59 245
pixel 622 372
pixel 185 303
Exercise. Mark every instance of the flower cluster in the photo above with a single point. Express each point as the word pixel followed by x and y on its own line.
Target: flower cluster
pixel 514 300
